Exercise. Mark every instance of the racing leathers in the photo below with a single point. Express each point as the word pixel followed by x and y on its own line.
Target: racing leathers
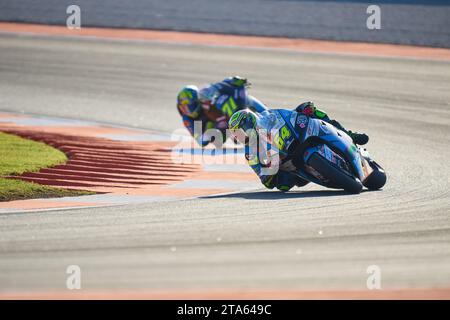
pixel 217 102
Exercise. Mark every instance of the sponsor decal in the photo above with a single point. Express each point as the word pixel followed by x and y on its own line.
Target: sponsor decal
pixel 280 119
pixel 312 130
pixel 302 121
pixel 329 154
pixel 221 99
pixel 325 128
pixel 292 119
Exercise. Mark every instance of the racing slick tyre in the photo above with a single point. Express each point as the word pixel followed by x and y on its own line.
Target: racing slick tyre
pixel 335 175
pixel 376 180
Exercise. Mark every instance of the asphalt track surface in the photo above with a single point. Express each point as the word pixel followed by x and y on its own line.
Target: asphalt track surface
pixel 416 22
pixel 308 239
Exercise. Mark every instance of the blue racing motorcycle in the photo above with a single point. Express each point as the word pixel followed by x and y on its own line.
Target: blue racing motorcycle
pixel 321 153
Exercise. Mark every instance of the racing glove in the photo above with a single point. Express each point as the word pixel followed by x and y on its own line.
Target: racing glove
pixel 237 81
pixel 309 109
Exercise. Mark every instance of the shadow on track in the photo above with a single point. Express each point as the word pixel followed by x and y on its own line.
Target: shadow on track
pixel 276 195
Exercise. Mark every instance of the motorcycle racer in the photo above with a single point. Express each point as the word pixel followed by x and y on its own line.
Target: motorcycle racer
pixel 246 126
pixel 214 105
pixel 309 109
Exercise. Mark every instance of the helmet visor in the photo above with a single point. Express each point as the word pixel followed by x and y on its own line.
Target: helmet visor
pixel 190 108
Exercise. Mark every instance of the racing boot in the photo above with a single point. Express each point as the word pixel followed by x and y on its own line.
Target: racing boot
pixel 358 138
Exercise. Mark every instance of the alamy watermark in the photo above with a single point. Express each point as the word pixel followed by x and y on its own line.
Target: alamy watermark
pixel 374 279
pixel 73 281
pixel 259 145
pixel 73 21
pixel 373 21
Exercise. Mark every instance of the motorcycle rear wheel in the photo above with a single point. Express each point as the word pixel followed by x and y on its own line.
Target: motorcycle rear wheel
pixel 335 175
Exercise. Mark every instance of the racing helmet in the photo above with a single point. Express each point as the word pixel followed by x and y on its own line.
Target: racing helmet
pixel 242 124
pixel 188 103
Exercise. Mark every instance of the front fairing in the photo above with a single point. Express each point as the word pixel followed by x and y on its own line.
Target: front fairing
pixel 275 126
pixel 335 139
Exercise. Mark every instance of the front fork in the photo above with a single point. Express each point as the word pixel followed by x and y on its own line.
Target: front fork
pixel 365 163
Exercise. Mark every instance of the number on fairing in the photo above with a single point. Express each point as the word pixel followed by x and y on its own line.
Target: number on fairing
pixel 285 133
pixel 229 107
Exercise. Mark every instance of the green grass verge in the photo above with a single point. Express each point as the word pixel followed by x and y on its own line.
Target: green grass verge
pixel 18 155
pixel 11 189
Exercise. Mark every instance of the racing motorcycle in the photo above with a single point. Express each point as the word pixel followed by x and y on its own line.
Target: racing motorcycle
pixel 323 154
